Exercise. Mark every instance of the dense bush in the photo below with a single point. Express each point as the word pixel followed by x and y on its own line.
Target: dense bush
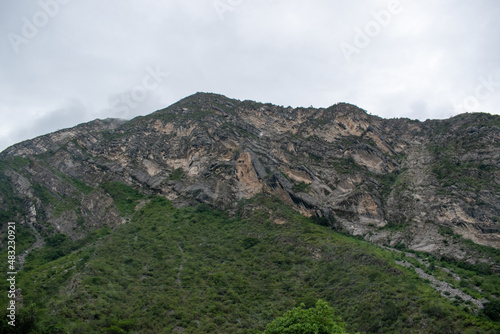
pixel 202 271
pixel 317 320
pixel 492 310
pixel 125 197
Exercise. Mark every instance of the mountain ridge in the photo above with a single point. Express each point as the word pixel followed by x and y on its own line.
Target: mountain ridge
pixel 217 215
pixel 377 178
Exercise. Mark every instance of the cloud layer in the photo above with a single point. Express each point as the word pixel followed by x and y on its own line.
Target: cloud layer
pixel 67 61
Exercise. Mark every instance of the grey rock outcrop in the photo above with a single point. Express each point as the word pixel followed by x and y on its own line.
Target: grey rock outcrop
pixel 391 181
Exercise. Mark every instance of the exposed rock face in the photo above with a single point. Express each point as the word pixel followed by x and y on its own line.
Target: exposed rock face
pixel 395 181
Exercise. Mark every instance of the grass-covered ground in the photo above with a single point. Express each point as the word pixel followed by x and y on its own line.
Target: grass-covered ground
pixel 196 270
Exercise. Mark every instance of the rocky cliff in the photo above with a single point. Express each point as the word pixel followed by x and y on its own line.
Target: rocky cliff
pixel 428 186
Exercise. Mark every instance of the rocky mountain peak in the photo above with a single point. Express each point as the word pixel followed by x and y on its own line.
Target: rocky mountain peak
pixel 395 182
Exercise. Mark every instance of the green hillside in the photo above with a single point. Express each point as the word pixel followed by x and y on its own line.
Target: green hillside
pixel 197 270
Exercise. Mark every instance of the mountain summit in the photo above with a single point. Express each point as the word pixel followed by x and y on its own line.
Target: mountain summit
pixel 391 181
pixel 216 215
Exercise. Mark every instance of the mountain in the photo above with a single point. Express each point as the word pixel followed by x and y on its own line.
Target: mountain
pixel 427 188
pixel 395 182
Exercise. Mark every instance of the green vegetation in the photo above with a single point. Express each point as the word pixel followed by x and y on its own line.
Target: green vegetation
pixel 60 245
pixel 78 146
pixel 45 195
pixel 24 238
pixel 476 280
pixel 301 187
pixel 16 163
pixel 383 184
pixel 125 197
pixel 450 170
pixel 197 269
pixel 396 226
pixel 299 320
pixel 387 182
pixel 196 114
pixel 195 107
pixel 59 203
pixel 464 121
pixel 316 158
pixel 492 310
pixel 482 251
pixel 68 204
pixel 80 185
pixel 12 203
pixel 177 174
pixel 346 166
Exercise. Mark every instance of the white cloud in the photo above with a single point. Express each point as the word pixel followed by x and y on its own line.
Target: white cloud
pixel 423 64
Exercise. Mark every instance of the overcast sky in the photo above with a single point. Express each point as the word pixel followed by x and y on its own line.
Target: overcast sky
pixel 64 62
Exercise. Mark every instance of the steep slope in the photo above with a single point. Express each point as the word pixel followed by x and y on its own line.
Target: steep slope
pixel 197 270
pixel 394 182
pixel 108 211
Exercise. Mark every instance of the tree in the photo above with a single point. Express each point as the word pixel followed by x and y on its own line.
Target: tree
pixel 317 320
pixel 492 310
